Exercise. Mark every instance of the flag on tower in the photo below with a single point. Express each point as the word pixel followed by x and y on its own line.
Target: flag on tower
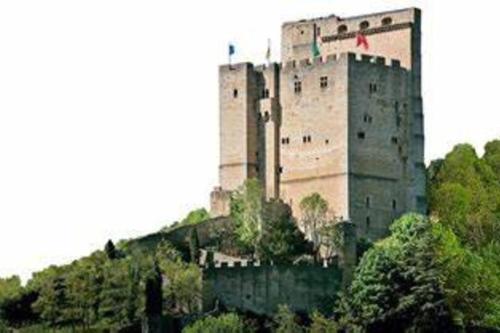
pixel 315 48
pixel 268 52
pixel 361 40
pixel 231 51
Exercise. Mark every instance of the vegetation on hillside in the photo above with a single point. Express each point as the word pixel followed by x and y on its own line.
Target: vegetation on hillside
pixel 436 273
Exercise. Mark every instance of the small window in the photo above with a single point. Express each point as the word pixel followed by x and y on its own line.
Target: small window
pixel 235 93
pixel 367 118
pixel 297 87
pixel 394 140
pixel 308 138
pixel 342 29
pixel 361 135
pixel 368 222
pixel 327 141
pixel 394 205
pixel 280 169
pixel 387 21
pixel 323 82
pixel 372 88
pixel 364 25
pixel 283 141
pixel 304 139
pixel 367 202
pixel 287 141
pixel 266 116
pixel 265 93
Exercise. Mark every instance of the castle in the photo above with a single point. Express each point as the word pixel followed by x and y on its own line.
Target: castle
pixel 347 124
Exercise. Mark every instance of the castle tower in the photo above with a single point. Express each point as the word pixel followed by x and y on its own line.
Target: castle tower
pixel 347 125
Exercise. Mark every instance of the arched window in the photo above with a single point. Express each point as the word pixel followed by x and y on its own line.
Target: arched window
pixel 364 25
pixel 342 29
pixel 387 21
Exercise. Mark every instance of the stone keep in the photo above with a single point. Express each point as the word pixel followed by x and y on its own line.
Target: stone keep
pixel 347 124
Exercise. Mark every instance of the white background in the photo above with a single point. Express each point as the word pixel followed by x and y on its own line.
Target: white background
pixel 109 114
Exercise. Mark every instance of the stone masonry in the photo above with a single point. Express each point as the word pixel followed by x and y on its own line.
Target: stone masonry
pixel 347 124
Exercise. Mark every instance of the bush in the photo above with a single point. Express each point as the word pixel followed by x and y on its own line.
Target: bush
pixel 227 323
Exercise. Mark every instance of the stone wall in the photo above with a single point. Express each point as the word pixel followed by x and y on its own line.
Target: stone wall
pixel 260 289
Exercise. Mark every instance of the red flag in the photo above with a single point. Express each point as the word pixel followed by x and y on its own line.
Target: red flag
pixel 361 41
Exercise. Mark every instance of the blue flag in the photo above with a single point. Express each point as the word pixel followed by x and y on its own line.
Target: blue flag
pixel 232 50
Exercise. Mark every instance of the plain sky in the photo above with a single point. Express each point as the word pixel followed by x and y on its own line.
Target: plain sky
pixel 109 111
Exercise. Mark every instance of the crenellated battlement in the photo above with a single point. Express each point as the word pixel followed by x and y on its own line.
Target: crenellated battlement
pixel 342 57
pixel 259 264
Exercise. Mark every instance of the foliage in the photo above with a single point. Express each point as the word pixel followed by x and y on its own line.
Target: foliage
pixel 320 324
pixel 226 323
pixel 110 250
pixel 183 280
pixel 471 278
pixel 464 193
pixel 281 240
pixel 246 212
pixel 397 285
pixel 154 293
pixel 194 246
pixel 314 215
pixel 286 321
pixel 195 216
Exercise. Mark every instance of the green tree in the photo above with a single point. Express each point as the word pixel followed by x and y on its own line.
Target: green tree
pixel 320 324
pixel 196 216
pixel 226 323
pixel 154 293
pixel 286 321
pixel 492 156
pixel 397 285
pixel 183 280
pixel 110 250
pixel 194 246
pixel 464 193
pixel 314 211
pixel 471 279
pixel 280 240
pixel 246 212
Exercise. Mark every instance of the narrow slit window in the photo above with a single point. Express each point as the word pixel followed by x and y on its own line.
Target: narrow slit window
pixel 361 135
pixel 368 202
pixel 235 93
pixel 394 205
pixel 297 87
pixel 368 222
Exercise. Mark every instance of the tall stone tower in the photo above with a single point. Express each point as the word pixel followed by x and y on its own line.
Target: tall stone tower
pixel 347 124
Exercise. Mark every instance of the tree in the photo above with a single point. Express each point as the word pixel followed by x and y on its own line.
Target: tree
pixel 397 285
pixel 194 246
pixel 226 323
pixel 471 279
pixel 320 324
pixel 110 250
pixel 314 215
pixel 286 321
pixel 464 193
pixel 153 291
pixel 182 280
pixel 246 212
pixel 195 216
pixel 280 240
